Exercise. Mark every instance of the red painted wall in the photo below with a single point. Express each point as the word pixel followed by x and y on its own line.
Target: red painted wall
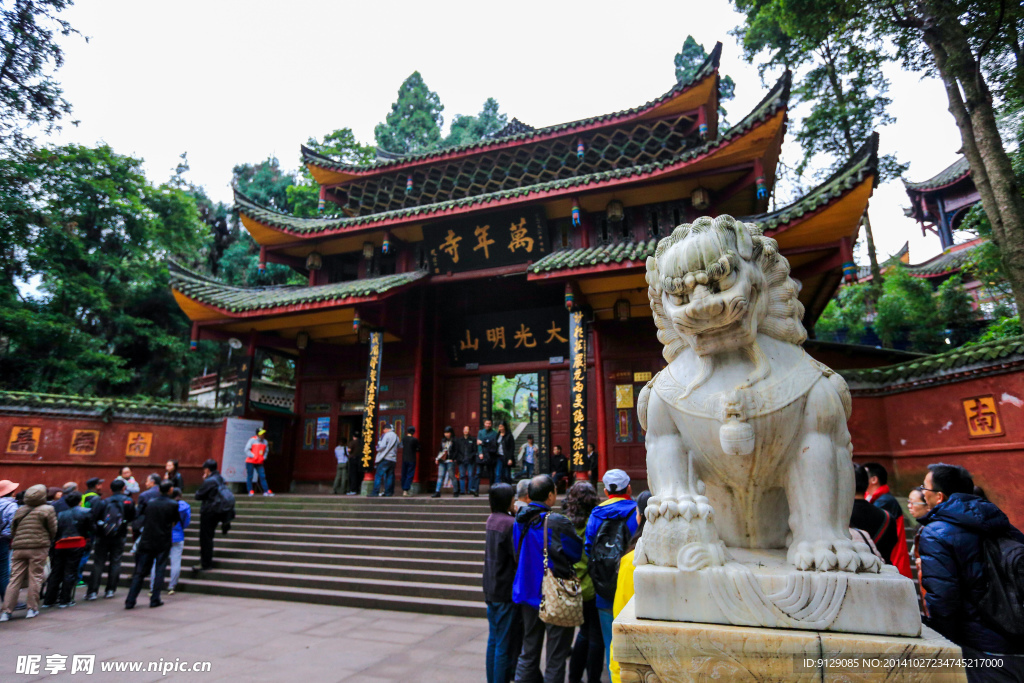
pixel 908 431
pixel 52 465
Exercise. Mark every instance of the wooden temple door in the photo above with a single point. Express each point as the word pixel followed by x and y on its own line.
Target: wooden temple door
pixel 461 405
pixel 559 412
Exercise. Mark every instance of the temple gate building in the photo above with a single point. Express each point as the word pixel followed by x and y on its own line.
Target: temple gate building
pixel 505 278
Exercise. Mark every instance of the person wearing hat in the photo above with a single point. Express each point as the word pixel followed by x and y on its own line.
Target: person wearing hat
pixel 92 492
pixel 8 506
pixel 256 452
pixel 387 456
pixel 32 531
pixel 611 525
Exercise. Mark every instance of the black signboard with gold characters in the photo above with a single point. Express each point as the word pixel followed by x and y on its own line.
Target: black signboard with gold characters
pixel 371 404
pixel 509 337
pixel 489 241
pixel 578 391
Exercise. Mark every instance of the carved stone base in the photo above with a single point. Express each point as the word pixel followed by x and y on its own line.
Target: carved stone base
pixel 758 588
pixel 676 652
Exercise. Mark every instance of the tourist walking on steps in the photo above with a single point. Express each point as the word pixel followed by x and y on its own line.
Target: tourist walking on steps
pixel 588 651
pixel 341 454
pixel 410 451
pixel 465 462
pixel 504 455
pixel 531 406
pixel 257 450
pixel 32 531
pixel 955 573
pixel 111 517
pixel 624 586
pixel 527 457
pixel 387 456
pixel 155 546
pixel 74 527
pixel 217 507
pixel 611 525
pixel 8 506
pixel 564 549
pixel 177 542
pixel 504 620
pixel 445 460
pixel 172 473
pixel 487 453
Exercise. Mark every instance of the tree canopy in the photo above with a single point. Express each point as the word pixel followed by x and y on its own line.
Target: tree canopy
pixel 466 130
pixel 414 123
pixel 688 61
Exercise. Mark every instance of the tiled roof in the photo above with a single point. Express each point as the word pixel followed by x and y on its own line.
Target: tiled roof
pixel 707 68
pixel 955 171
pixel 106 409
pixel 776 100
pixel 949 261
pixel 513 127
pixel 245 299
pixel 862 164
pixel 978 358
pixel 595 256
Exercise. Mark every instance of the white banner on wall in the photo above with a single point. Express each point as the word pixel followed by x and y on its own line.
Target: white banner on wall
pixel 237 433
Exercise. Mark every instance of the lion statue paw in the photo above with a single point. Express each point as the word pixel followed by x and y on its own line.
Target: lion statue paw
pixel 684 506
pixel 837 555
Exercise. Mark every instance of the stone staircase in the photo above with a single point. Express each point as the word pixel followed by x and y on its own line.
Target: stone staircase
pixel 409 554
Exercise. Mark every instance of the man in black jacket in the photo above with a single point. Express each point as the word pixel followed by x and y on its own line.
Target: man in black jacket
pixel 109 543
pixel 464 449
pixel 872 519
pixel 410 449
pixel 154 546
pixel 74 527
pixel 208 494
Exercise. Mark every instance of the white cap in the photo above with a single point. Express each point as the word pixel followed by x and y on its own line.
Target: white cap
pixel 615 481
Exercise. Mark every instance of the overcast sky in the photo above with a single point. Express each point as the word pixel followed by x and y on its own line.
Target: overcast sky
pixel 232 82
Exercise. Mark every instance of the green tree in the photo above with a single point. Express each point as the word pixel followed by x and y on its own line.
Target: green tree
pixel 907 313
pixel 688 61
pixel 341 144
pixel 466 130
pixel 840 67
pixel 414 124
pixel 264 183
pixel 955 310
pixel 93 313
pixel 29 95
pixel 844 318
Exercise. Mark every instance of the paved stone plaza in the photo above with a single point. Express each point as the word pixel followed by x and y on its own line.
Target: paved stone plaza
pixel 250 640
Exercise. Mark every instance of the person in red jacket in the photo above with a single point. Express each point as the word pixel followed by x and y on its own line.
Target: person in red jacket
pixel 878 494
pixel 256 452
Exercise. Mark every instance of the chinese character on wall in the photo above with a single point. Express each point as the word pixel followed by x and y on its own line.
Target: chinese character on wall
pixel 84 441
pixel 139 444
pixel 24 440
pixel 982 417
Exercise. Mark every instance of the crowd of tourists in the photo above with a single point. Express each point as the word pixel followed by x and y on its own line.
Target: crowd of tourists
pixel 558 579
pixel 462 461
pixel 968 557
pixel 48 535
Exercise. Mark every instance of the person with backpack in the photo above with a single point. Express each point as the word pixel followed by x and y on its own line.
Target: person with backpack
pixel 111 518
pixel 74 528
pixel 564 549
pixel 32 531
pixel 874 520
pixel 505 624
pixel 879 495
pixel 154 546
pixel 972 568
pixel 588 650
pixel 218 507
pixel 256 452
pixel 611 525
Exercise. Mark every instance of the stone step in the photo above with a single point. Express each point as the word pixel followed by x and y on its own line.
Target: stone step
pixel 346 547
pixel 342 563
pixel 469 532
pixel 467 522
pixel 394 540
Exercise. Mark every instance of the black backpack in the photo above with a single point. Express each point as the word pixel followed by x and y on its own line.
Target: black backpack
pixel 610 543
pixel 224 501
pixel 1002 603
pixel 113 519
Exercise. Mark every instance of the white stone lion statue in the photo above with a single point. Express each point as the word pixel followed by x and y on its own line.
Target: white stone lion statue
pixel 746 434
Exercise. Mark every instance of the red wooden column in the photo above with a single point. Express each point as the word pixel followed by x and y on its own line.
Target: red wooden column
pixel 417 386
pixel 602 414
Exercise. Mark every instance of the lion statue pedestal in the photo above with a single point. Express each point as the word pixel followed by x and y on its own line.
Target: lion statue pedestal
pixel 748 453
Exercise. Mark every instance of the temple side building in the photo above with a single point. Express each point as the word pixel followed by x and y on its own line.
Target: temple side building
pixel 498 277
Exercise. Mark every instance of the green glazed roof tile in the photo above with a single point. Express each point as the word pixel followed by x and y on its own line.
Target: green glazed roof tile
pixel 21 401
pixel 1000 350
pixel 246 299
pixel 950 261
pixel 955 171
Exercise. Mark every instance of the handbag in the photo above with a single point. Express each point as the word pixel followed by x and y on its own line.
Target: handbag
pixel 561 601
